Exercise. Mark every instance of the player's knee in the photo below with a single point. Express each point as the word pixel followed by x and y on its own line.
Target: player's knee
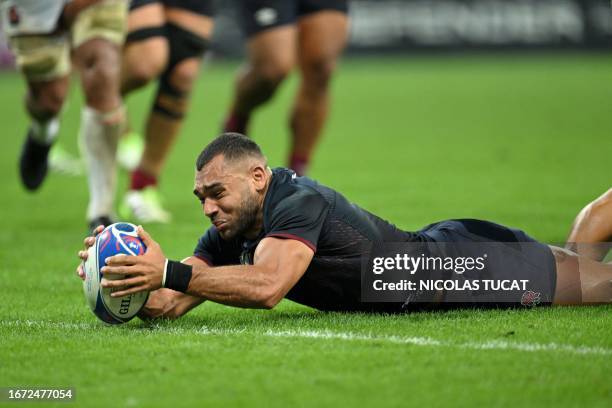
pixel 102 67
pixel 184 74
pixel 317 72
pixel 46 104
pixel 174 87
pixel 601 208
pixel 271 73
pixel 144 71
pixel 605 200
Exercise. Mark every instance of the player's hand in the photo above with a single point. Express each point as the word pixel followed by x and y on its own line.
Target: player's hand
pixel 162 303
pixel 139 273
pixel 88 242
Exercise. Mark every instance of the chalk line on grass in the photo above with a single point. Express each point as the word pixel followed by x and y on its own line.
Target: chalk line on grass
pixel 331 335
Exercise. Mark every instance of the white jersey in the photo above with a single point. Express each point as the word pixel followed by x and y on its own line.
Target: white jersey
pixel 30 16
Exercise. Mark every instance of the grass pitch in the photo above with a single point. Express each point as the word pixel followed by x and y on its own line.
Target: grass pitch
pixel 524 141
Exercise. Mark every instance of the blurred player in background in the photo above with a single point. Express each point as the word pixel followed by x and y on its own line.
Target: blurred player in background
pixel 43 34
pixel 166 42
pixel 283 34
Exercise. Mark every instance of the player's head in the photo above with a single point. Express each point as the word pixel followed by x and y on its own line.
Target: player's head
pixel 231 180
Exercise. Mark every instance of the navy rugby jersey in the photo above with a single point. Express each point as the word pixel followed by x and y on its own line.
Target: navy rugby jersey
pixel 323 219
pixel 339 232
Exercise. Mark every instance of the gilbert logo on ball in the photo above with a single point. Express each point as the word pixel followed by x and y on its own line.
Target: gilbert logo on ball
pixel 119 238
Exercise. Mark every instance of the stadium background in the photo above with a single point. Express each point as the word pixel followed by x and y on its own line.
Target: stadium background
pixel 489 109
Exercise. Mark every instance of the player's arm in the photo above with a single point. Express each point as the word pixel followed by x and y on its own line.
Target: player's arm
pixel 279 264
pixel 170 304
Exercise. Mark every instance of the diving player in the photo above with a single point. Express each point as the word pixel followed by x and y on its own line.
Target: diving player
pixel 275 235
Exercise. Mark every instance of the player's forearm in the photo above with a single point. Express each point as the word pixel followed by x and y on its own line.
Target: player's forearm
pixel 249 286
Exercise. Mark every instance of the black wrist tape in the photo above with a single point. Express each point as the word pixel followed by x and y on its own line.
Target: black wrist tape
pixel 178 276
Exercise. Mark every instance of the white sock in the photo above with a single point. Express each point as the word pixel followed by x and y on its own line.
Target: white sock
pixel 98 137
pixel 44 131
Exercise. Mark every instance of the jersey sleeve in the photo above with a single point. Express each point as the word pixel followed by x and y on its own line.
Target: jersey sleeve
pixel 299 216
pixel 213 250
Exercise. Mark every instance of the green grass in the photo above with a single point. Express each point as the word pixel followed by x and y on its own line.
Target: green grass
pixel 524 141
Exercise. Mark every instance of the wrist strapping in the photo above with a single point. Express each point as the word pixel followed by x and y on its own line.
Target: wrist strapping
pixel 176 275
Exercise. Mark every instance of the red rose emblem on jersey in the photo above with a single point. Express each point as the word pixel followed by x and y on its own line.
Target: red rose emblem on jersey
pixel 530 298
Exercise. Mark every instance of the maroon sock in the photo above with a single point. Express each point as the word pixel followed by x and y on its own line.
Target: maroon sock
pixel 299 164
pixel 141 180
pixel 236 123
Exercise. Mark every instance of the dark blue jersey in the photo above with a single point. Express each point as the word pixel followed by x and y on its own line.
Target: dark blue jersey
pixel 340 232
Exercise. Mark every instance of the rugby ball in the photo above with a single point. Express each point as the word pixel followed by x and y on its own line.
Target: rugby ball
pixel 118 238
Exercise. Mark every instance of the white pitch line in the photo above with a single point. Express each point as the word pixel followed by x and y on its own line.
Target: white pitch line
pixel 332 335
pixel 428 341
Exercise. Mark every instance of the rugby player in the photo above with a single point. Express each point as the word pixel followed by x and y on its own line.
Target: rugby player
pixel 166 42
pixel 283 34
pixel 275 235
pixel 43 34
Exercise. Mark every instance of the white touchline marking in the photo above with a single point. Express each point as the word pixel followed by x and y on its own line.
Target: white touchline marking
pixel 331 335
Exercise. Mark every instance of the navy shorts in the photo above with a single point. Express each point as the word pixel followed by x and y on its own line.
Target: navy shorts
pixel 203 7
pixel 260 15
pixel 511 255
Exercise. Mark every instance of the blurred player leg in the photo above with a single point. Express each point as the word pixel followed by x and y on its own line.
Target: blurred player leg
pixel 145 52
pixel 44 102
pixel 98 34
pixel 321 38
pixel 145 55
pixel 271 55
pixel 44 62
pixel 591 232
pixel 188 29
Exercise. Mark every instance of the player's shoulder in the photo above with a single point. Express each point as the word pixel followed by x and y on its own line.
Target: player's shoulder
pixel 289 196
pixel 289 193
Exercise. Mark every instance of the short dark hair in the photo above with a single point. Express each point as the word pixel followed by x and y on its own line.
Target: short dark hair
pixel 231 145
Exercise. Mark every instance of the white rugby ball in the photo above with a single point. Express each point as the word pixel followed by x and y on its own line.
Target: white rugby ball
pixel 118 238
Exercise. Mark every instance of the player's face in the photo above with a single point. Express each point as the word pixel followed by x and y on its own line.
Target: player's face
pixel 227 198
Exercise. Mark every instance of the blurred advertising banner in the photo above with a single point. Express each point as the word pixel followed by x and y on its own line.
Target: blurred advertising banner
pixel 445 25
pixel 409 25
pixel 480 24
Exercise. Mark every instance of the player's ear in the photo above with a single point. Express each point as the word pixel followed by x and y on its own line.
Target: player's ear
pixel 259 176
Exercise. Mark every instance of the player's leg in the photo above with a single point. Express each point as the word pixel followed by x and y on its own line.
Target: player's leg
pixel 591 232
pixel 188 30
pixel 271 55
pixel 44 63
pixel 98 34
pixel 322 37
pixel 581 280
pixel 145 55
pixel 145 52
